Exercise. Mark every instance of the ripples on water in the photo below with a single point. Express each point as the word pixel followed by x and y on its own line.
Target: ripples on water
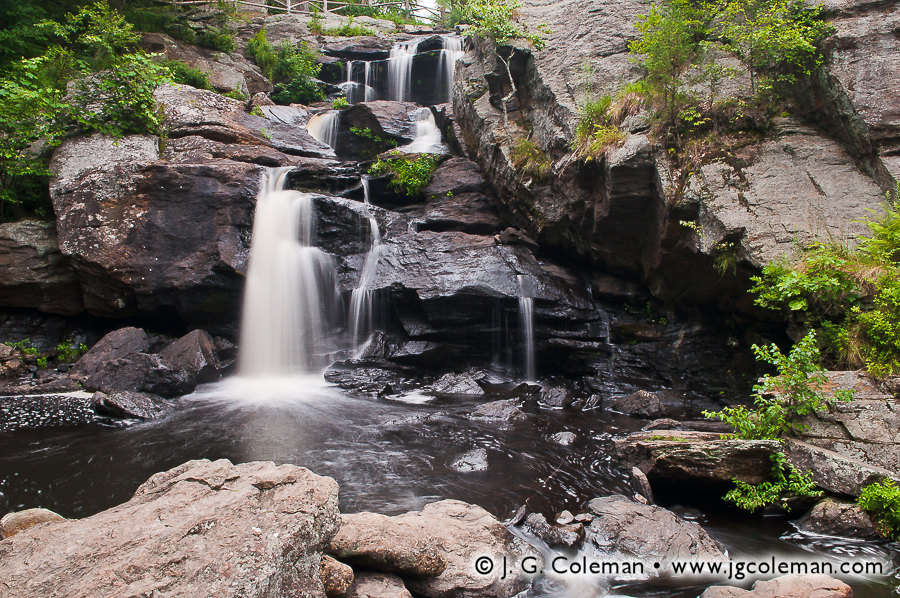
pixel 388 456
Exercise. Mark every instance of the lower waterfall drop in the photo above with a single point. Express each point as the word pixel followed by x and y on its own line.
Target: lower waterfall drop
pixel 291 286
pixel 361 319
pixel 428 136
pixel 526 322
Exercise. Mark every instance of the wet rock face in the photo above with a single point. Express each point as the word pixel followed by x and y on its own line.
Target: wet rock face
pixel 254 529
pixel 833 517
pixel 33 272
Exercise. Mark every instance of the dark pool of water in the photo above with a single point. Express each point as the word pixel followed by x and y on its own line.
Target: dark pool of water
pixel 388 456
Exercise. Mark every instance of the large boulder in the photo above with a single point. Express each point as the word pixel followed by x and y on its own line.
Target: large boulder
pixel 201 529
pixel 833 517
pixel 369 128
pixel 196 354
pixel 788 586
pixel 437 547
pixel 130 405
pixel 116 344
pixel 143 373
pixel 629 530
pixel 33 272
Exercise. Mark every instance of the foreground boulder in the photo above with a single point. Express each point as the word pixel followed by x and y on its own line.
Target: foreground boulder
pixel 141 372
pixel 788 586
pixel 635 531
pixel 204 528
pixel 436 547
pixel 18 521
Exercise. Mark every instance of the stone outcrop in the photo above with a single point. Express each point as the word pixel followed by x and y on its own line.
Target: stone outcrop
pixel 202 528
pixel 800 183
pixel 378 585
pixel 789 586
pixel 699 456
pixel 196 354
pixel 33 272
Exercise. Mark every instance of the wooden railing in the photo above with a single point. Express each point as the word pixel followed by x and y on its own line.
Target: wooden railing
pixel 412 7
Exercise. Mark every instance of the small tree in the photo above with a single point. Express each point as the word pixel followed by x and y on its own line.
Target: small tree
pixel 493 19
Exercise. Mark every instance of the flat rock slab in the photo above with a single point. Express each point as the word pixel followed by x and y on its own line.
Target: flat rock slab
pixel 680 454
pixel 204 528
pixel 832 471
pixel 130 405
pixel 789 586
pixel 378 585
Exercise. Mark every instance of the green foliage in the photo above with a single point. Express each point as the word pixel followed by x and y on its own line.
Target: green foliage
pixel 217 38
pixel 531 159
pixel 340 103
pixel 293 69
pixel 348 29
pixel 455 13
pixel 111 91
pixel 69 351
pixel 411 173
pixel 725 258
pixel 186 74
pixel 785 483
pixel 493 19
pixel 881 501
pixel 782 399
pixel 25 346
pixel 236 94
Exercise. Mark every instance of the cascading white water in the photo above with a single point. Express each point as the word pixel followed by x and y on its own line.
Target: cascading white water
pixel 290 285
pixel 428 136
pixel 324 127
pixel 400 68
pixel 362 297
pixel 447 62
pixel 526 322
pixel 369 90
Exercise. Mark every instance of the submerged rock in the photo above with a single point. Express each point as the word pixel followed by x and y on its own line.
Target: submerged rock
pixel 254 529
pixel 833 517
pixel 474 460
pixel 788 586
pixel 131 405
pixel 18 521
pixel 507 411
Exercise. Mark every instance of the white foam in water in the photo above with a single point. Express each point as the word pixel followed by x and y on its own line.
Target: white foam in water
pixel 428 136
pixel 400 68
pixel 290 285
pixel 323 127
pixel 362 297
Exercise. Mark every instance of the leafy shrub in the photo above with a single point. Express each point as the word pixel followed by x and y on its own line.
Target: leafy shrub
pixel 217 38
pixel 236 94
pixel 595 133
pixel 785 482
pixel 187 75
pixel 780 400
pixel 293 69
pixel 69 351
pixel 531 159
pixel 493 19
pixel 881 501
pixel 340 103
pixel 411 173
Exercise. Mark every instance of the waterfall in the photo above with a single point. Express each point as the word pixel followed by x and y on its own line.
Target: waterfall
pixel 526 321
pixel 369 90
pixel 428 136
pixel 400 68
pixel 349 85
pixel 362 297
pixel 290 285
pixel 324 127
pixel 447 62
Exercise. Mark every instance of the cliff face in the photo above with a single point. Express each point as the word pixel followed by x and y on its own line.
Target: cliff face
pixel 814 177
